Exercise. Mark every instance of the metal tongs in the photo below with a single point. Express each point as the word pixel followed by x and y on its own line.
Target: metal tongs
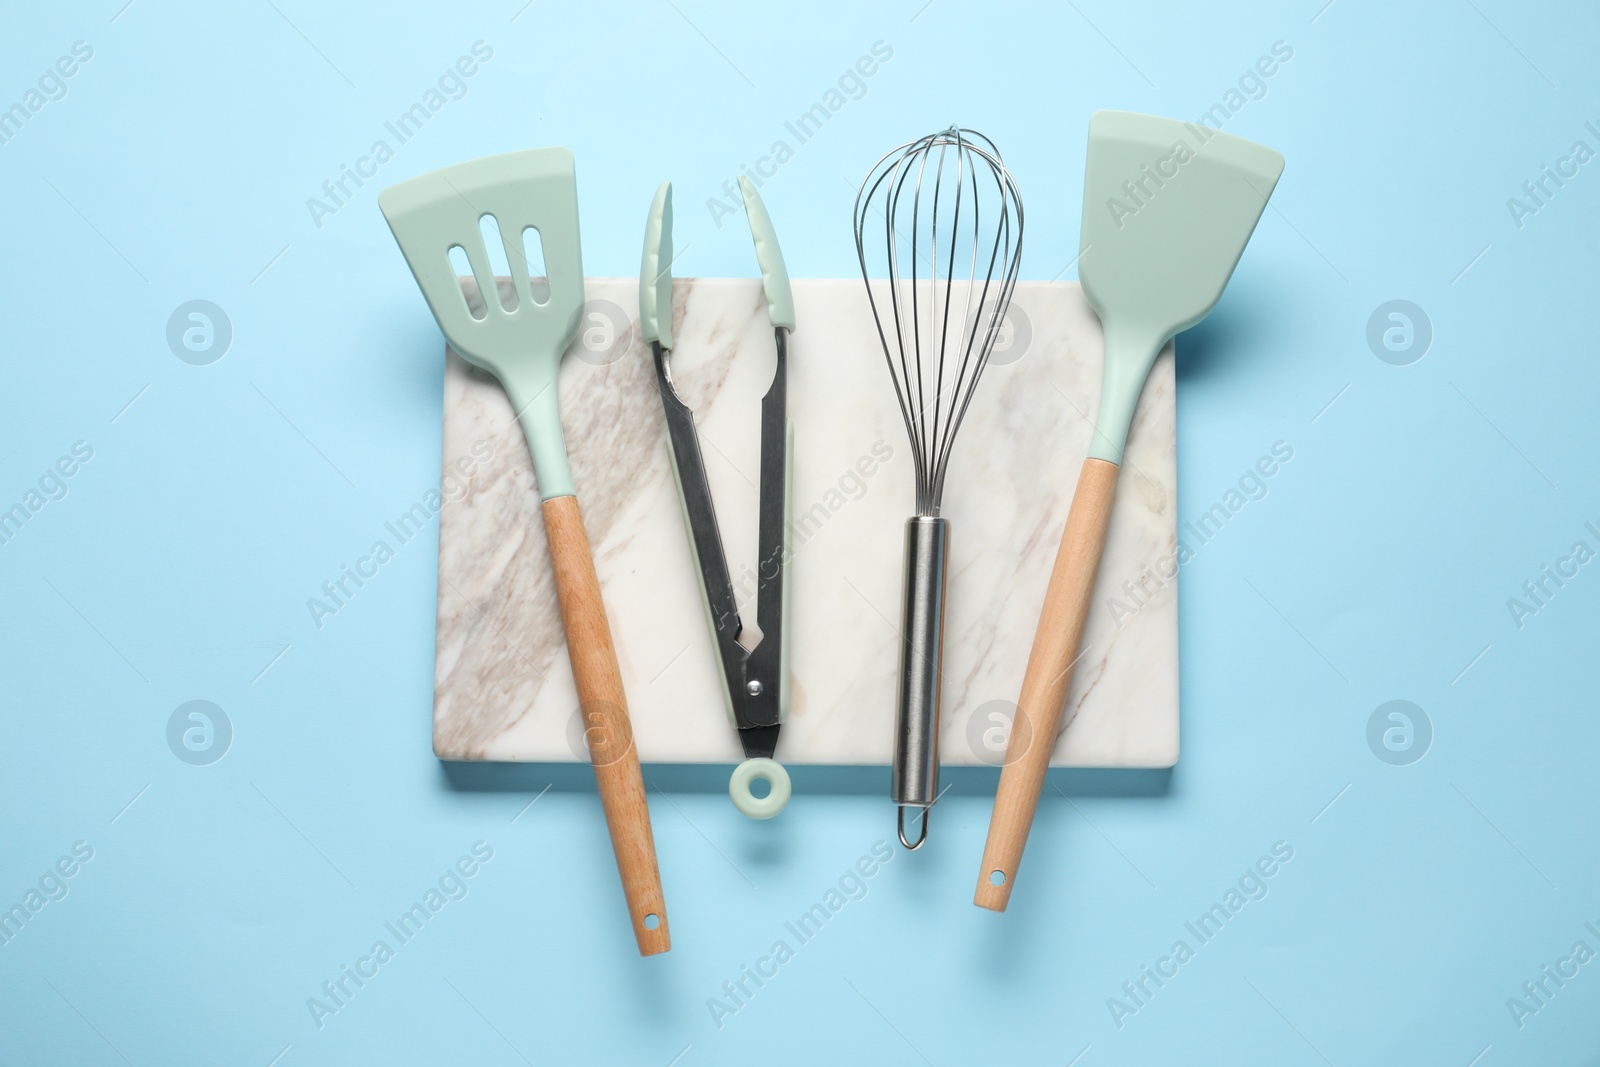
pixel 755 680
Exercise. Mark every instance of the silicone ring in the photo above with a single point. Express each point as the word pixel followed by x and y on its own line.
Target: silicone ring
pixel 747 802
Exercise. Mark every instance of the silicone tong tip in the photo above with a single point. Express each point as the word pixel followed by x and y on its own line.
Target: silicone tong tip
pixel 655 271
pixel 774 273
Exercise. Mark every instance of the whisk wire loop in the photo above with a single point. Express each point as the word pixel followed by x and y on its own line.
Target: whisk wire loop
pixel 942 338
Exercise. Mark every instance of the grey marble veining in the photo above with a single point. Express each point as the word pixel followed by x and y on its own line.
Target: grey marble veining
pixel 503 690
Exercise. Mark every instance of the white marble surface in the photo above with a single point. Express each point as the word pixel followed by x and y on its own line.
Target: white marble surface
pixel 503 689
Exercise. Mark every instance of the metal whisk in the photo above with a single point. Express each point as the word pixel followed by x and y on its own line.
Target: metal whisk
pixel 953 248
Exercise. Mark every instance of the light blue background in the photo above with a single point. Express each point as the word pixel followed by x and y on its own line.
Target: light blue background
pixel 178 167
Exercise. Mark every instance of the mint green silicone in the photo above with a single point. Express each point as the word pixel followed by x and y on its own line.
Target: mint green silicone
pixel 433 213
pixel 1167 210
pixel 774 274
pixel 747 802
pixel 655 271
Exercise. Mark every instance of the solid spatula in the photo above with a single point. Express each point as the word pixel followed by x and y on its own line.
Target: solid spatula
pixel 1167 210
pixel 521 341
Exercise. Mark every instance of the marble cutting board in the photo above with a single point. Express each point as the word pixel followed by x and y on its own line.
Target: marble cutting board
pixel 503 689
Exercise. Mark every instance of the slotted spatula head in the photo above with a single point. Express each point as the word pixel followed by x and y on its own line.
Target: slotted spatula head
pixel 534 190
pixel 1167 210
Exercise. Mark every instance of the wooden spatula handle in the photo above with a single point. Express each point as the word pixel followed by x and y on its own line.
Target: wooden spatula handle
pixel 1048 678
pixel 605 716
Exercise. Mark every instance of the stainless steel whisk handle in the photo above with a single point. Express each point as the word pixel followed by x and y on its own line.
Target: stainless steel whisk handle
pixel 916 752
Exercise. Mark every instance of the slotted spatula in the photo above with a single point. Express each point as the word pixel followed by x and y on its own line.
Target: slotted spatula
pixel 1167 210
pixel 522 347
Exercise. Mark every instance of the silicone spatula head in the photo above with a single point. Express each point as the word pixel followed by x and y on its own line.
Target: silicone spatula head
pixel 519 341
pixel 1167 210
